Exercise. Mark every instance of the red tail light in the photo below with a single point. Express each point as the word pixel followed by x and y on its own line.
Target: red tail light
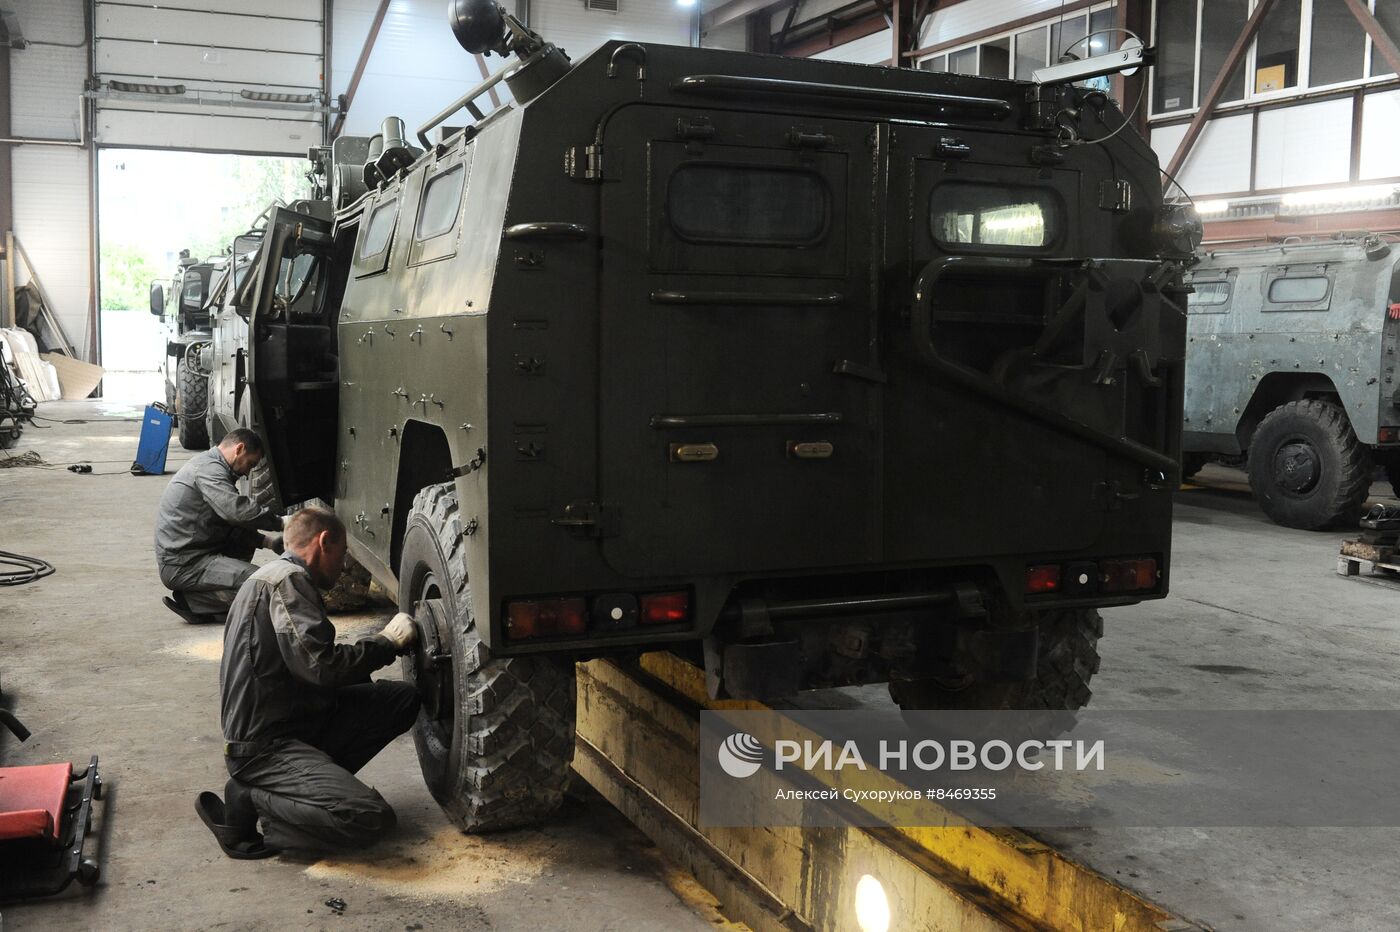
pixel 1128 575
pixel 663 608
pixel 545 618
pixel 1042 579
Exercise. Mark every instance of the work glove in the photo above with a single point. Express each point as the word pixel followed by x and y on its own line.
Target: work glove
pixel 400 632
pixel 272 540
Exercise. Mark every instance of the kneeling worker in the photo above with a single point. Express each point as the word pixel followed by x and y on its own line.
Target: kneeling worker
pixel 300 715
pixel 206 532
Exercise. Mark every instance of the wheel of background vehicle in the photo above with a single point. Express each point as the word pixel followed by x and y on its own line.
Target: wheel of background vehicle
pixel 170 395
pixel 1067 658
pixel 192 401
pixel 1306 467
pixel 1192 463
pixel 495 735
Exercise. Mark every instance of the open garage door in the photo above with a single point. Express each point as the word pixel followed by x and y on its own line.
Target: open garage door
pixel 211 75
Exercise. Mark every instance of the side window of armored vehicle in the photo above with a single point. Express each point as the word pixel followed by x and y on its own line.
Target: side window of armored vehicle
pixel 296 282
pixel 740 205
pixel 376 236
pixel 979 217
pixel 1288 290
pixel 748 211
pixel 1210 296
pixel 434 232
pixel 193 293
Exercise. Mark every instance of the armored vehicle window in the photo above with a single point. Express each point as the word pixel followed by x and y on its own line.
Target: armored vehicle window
pixel 973 214
pixel 441 198
pixel 375 238
pixel 743 205
pixel 1308 290
pixel 194 289
pixel 1208 295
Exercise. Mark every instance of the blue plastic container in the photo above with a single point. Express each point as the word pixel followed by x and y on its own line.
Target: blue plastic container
pixel 155 441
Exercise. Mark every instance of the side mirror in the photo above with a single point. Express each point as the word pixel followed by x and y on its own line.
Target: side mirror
pixel 157 299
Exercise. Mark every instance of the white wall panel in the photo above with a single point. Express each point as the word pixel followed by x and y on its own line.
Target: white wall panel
pixel 51 221
pixel 211 29
pixel 965 19
pixel 262 45
pixel 578 30
pixel 1164 141
pixel 273 9
pixel 1380 136
pixel 1304 145
pixel 231 68
pixel 417 67
pixel 1219 163
pixel 47 81
pixel 733 36
pixel 185 130
pixel 874 49
pixel 51 182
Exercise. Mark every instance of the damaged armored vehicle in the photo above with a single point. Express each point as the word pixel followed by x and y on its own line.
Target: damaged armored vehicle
pixel 1291 370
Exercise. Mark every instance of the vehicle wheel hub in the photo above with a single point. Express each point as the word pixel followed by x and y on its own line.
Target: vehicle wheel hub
pixel 1296 467
pixel 432 660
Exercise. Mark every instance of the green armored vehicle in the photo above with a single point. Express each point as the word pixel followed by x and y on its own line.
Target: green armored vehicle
pixel 185 313
pixel 1291 367
pixel 820 374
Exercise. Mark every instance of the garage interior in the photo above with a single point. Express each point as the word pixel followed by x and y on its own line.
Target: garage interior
pixel 130 131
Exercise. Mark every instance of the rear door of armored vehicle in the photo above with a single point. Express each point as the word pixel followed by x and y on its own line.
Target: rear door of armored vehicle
pixel 739 411
pixel 1023 372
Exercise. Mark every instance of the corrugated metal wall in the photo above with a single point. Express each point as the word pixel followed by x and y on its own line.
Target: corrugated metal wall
pixel 51 182
pixel 220 53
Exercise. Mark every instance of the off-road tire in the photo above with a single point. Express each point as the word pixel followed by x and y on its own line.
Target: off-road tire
pixel 498 757
pixel 1192 463
pixel 191 403
pixel 1307 469
pixel 1067 658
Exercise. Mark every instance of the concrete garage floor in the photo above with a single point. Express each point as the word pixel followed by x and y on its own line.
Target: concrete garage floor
pixel 92 663
pixel 1257 619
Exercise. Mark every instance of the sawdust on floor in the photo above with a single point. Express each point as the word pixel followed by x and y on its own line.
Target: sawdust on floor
pixel 445 865
pixel 209 649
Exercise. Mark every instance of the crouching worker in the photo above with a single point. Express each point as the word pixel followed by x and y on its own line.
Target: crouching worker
pixel 300 714
pixel 206 532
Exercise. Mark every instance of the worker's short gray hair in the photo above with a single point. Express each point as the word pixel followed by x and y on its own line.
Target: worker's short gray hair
pixel 304 526
pixel 249 438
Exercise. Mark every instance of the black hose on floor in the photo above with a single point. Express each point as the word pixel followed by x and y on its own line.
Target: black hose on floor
pixel 29 569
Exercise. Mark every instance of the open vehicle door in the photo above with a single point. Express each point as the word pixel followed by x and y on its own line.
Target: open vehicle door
pixel 292 359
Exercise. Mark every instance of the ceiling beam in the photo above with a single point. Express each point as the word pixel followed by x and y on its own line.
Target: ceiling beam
pixel 1383 42
pixel 349 96
pixel 737 9
pixel 1217 88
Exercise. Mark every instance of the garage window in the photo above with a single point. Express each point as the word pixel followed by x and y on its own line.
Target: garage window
pixel 744 205
pixel 975 214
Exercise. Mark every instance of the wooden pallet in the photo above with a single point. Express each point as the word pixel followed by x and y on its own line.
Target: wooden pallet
pixel 1385 573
